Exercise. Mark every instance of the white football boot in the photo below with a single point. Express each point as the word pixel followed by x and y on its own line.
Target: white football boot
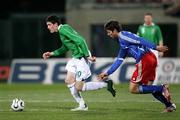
pixel 82 107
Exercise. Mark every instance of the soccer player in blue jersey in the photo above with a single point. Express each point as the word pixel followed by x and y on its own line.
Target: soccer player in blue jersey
pixel 146 63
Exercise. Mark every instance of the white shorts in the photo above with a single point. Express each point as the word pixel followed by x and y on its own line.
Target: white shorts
pixel 80 67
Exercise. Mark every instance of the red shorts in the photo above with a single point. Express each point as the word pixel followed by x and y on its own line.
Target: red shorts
pixel 145 69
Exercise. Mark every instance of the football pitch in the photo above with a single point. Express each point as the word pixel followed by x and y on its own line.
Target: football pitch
pixel 53 102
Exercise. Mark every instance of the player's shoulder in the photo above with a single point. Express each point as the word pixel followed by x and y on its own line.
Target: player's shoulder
pixel 141 26
pixel 156 25
pixel 124 34
pixel 64 25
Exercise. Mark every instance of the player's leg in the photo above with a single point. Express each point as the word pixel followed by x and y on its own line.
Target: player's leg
pixel 71 82
pixel 169 106
pixel 83 72
pixel 146 71
pixel 86 86
pixel 163 97
pixel 75 93
pixel 135 88
pixel 150 82
pixel 157 91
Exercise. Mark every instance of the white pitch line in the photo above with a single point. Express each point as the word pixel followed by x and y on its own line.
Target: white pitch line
pixel 45 110
pixel 107 101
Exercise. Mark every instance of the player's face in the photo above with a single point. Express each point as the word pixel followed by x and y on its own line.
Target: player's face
pixel 113 34
pixel 52 27
pixel 148 19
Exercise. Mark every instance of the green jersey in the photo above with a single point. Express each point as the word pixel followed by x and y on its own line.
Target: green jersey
pixel 72 41
pixel 151 33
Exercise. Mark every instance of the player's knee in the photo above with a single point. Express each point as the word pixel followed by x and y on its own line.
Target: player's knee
pixel 69 81
pixel 79 86
pixel 78 89
pixel 133 90
pixel 150 82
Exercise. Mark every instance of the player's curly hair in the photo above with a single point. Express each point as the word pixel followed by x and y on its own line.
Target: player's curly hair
pixel 53 19
pixel 113 24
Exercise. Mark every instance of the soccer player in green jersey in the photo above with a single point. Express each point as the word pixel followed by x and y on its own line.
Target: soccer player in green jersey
pixel 151 31
pixel 78 69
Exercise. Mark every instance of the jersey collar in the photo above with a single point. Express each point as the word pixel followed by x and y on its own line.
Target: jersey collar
pixel 149 25
pixel 59 26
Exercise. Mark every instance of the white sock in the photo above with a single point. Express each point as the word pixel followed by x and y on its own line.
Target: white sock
pixel 76 95
pixel 93 85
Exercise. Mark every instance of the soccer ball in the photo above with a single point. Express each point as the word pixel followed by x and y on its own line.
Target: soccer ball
pixel 17 105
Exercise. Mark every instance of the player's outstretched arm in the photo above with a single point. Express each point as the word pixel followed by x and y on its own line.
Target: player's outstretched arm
pixel 46 55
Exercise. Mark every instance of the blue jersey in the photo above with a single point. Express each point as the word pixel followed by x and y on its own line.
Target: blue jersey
pixel 131 45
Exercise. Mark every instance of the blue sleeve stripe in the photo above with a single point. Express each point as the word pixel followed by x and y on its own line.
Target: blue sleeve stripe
pixel 129 39
pixel 133 38
pixel 120 58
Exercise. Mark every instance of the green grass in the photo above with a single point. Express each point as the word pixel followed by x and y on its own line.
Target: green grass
pixel 53 102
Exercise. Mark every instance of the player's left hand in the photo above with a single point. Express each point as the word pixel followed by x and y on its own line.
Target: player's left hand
pixel 46 55
pixel 92 58
pixel 102 76
pixel 162 48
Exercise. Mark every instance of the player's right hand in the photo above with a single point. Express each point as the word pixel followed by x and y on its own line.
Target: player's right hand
pixel 46 55
pixel 102 76
pixel 92 58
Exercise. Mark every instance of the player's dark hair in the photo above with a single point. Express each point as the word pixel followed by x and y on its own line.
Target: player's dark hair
pixel 53 19
pixel 150 14
pixel 112 25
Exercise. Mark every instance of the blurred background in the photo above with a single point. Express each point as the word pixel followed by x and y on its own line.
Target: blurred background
pixel 24 35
